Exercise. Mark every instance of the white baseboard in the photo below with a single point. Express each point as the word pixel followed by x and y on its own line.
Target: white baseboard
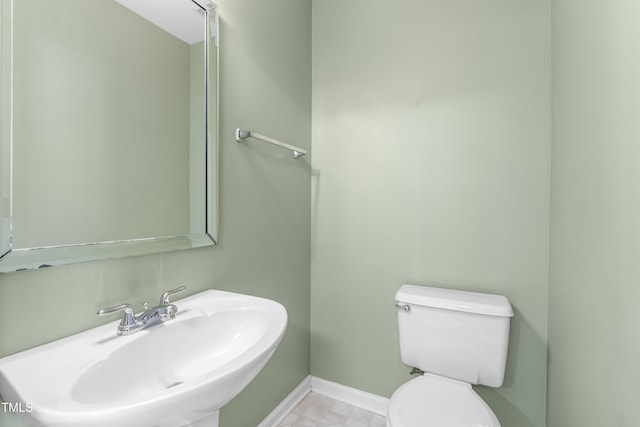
pixel 352 396
pixel 349 395
pixel 281 411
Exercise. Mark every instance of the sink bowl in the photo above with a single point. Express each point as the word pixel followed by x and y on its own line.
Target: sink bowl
pixel 169 375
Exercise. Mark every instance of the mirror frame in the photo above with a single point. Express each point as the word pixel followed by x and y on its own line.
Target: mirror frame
pixel 18 259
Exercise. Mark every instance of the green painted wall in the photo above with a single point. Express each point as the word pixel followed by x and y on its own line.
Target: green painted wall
pixel 431 144
pixel 594 344
pixel 264 215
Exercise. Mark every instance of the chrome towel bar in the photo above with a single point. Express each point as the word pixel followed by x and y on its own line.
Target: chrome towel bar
pixel 241 135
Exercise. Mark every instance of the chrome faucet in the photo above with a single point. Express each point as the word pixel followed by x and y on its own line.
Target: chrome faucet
pixel 131 322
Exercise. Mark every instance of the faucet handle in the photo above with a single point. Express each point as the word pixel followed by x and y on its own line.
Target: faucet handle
pixel 127 323
pixel 164 299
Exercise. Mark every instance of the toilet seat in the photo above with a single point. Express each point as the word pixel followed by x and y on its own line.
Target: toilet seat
pixel 433 401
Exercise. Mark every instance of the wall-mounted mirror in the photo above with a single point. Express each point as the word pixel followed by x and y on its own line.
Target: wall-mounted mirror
pixel 109 123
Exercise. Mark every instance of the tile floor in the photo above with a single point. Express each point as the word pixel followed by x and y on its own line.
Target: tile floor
pixel 317 410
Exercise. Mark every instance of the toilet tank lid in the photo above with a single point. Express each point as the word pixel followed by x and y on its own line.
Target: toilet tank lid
pixel 450 299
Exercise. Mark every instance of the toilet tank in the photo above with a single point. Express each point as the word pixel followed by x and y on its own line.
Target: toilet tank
pixel 454 334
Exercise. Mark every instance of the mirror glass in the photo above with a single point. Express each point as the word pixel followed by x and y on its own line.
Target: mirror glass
pixel 109 129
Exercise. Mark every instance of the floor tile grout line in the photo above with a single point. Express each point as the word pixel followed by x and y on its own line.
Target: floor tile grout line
pixel 317 410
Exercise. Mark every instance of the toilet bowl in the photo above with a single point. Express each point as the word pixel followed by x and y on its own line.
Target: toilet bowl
pixel 457 339
pixel 432 401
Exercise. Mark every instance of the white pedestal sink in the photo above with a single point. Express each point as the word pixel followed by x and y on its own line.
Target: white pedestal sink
pixel 178 373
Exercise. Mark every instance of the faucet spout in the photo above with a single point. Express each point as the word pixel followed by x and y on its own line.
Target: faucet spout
pixel 156 315
pixel 131 323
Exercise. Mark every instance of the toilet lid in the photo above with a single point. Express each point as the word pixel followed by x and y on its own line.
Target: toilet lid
pixel 432 401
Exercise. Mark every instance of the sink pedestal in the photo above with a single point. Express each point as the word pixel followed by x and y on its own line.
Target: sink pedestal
pixel 208 421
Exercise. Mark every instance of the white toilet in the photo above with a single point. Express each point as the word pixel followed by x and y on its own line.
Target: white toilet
pixel 457 339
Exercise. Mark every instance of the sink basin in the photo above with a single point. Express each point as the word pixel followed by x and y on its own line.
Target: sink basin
pixel 169 375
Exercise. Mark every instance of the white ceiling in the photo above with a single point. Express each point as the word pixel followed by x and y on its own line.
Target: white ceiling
pixel 181 18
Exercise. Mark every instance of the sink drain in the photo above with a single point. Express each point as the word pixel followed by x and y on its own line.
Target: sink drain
pixel 174 384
